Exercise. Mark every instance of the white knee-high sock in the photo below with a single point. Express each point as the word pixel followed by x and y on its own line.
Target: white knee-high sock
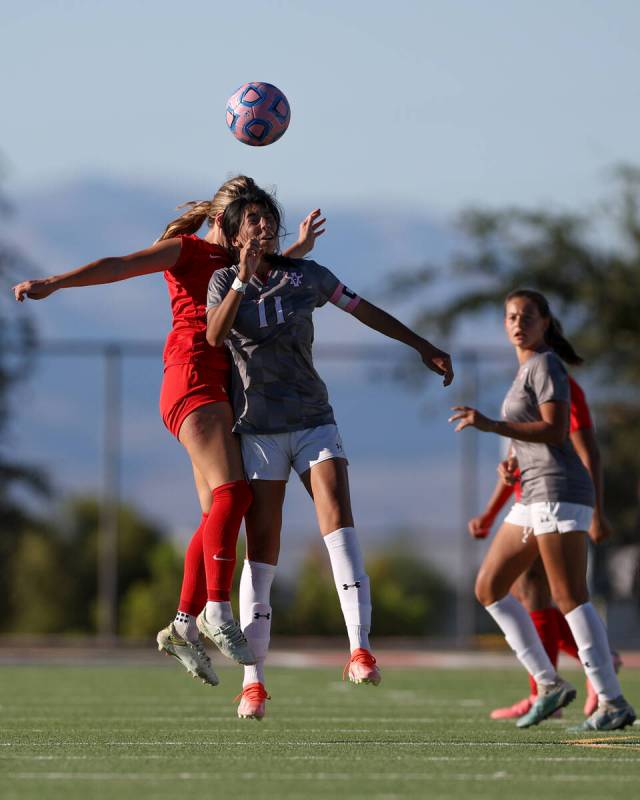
pixel 522 637
pixel 255 614
pixel 352 583
pixel 593 650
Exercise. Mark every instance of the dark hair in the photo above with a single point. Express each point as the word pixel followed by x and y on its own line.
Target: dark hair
pixel 234 212
pixel 553 336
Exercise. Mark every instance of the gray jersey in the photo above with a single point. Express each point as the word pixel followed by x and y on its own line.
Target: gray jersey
pixel 550 473
pixel 275 386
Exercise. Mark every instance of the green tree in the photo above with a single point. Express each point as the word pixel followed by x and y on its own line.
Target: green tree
pixel 53 586
pixel 17 338
pixel 406 596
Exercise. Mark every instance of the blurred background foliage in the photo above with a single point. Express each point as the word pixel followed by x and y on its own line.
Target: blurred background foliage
pixel 52 588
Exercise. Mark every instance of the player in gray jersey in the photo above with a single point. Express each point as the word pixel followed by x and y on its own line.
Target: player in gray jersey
pixel 552 520
pixel 263 309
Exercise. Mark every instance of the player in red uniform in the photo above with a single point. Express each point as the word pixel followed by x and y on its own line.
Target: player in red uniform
pixel 195 408
pixel 532 587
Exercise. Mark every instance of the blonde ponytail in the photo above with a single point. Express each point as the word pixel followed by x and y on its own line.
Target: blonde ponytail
pixel 200 210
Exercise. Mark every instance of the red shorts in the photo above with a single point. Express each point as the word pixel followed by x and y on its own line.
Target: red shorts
pixel 186 387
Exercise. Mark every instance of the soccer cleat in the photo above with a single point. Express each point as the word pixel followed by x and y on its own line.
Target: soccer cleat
pixel 361 668
pixel 252 701
pixel 611 715
pixel 228 638
pixel 191 655
pixel 550 699
pixel 516 710
pixel 520 708
pixel 591 702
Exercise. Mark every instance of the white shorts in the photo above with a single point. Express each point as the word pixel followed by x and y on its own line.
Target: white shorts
pixel 550 517
pixel 270 456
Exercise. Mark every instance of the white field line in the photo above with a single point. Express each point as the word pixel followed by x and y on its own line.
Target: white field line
pixel 315 757
pixel 309 776
pixel 361 743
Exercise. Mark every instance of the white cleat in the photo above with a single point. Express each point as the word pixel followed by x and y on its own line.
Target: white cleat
pixel 191 655
pixel 228 638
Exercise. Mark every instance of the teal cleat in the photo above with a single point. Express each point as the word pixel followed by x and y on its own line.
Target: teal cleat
pixel 550 699
pixel 612 715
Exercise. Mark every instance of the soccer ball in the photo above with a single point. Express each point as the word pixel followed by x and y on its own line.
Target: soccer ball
pixel 258 114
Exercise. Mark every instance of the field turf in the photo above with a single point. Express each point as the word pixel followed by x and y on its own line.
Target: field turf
pixel 151 732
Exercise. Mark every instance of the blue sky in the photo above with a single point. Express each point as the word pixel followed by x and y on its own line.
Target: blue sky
pixel 422 104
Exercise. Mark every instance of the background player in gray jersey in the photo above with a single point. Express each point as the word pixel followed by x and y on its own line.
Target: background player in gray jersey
pixel 263 309
pixel 557 506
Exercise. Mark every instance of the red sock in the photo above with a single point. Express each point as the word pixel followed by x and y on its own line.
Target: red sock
pixel 220 536
pixel 547 626
pixel 193 594
pixel 566 641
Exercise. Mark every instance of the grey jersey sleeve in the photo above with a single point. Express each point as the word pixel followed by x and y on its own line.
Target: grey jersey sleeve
pixel 331 289
pixel 549 380
pixel 219 285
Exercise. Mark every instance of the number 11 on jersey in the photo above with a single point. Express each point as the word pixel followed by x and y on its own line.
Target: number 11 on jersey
pixel 262 311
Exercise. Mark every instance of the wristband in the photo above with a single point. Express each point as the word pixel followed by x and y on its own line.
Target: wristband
pixel 239 286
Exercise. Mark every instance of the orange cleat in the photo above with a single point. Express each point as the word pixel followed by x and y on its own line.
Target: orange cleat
pixel 252 701
pixel 361 668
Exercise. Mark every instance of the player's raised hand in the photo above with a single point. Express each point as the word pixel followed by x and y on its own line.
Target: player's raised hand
pixel 311 227
pixel 250 257
pixel 34 290
pixel 468 417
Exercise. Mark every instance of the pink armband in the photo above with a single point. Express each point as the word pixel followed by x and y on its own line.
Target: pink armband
pixel 344 298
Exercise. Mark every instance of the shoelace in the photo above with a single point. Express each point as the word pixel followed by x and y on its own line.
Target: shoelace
pixel 255 692
pixel 359 656
pixel 234 634
pixel 201 651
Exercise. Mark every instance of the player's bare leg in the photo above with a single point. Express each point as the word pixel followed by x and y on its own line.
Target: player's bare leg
pixel 215 455
pixel 513 551
pixel 263 523
pixel 328 485
pixel 565 560
pixel 532 590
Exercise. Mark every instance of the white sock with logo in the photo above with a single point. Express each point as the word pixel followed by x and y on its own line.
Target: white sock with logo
pixel 522 637
pixel 218 612
pixel 255 615
pixel 352 584
pixel 593 650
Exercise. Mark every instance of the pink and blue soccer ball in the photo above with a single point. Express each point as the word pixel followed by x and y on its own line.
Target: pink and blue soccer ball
pixel 258 114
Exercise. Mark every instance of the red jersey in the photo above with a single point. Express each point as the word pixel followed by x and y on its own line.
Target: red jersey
pixel 188 281
pixel 579 420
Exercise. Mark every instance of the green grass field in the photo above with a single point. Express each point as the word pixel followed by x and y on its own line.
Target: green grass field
pixel 136 732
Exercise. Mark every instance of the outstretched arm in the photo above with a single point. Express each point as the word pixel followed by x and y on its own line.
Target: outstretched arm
pixel 436 360
pixel 156 258
pixel 310 229
pixel 551 429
